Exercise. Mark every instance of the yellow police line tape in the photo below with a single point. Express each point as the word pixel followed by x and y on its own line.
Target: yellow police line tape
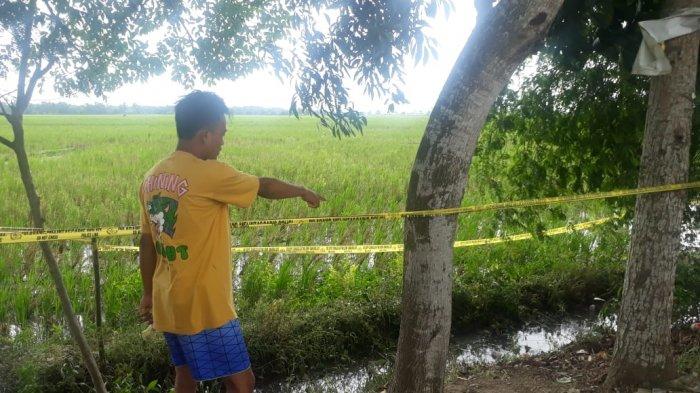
pixel 46 236
pixel 375 248
pixel 18 229
pixel 75 234
pixel 472 209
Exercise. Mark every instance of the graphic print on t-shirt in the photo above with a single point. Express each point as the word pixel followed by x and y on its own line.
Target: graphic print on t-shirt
pixel 163 214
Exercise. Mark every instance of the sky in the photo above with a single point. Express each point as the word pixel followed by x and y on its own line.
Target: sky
pixel 422 87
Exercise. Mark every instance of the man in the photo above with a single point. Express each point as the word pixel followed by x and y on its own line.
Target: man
pixel 185 257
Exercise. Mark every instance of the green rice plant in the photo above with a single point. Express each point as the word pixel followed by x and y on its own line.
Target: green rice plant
pixel 5 303
pixel 254 281
pixel 21 303
pixel 309 277
pixel 121 292
pixel 282 281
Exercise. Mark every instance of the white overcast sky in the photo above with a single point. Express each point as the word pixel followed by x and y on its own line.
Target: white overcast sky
pixel 423 82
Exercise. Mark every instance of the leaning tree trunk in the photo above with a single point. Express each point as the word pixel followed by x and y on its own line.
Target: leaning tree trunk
pixel 642 349
pixel 38 221
pixel 503 37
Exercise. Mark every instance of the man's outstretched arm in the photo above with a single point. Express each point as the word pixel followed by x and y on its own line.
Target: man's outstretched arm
pixel 147 265
pixel 277 189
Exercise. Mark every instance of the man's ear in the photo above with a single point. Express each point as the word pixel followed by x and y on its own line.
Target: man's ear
pixel 201 136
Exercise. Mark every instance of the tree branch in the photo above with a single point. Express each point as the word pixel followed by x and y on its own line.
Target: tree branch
pixel 4 112
pixel 3 140
pixel 7 143
pixel 193 42
pixel 8 93
pixel 38 74
pixel 25 46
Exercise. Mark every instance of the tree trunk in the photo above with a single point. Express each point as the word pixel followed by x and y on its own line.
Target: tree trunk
pixel 503 37
pixel 38 221
pixel 642 349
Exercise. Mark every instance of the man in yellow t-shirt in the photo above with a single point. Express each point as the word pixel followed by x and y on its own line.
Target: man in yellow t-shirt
pixel 185 256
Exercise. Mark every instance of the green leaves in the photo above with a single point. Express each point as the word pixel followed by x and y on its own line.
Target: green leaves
pixel 605 27
pixel 89 47
pixel 575 125
pixel 320 46
pixel 570 131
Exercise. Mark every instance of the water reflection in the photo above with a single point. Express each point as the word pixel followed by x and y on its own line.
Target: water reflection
pixel 13 331
pixel 466 350
pixel 34 329
pixel 531 340
pixel 349 381
pixel 86 259
pixel 239 265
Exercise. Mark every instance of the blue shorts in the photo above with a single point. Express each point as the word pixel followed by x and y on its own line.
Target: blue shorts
pixel 211 353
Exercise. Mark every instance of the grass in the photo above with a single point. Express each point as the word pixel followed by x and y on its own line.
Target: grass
pixel 299 313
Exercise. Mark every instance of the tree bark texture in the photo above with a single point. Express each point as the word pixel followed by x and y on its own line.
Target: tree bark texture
pixel 503 37
pixel 642 354
pixel 38 222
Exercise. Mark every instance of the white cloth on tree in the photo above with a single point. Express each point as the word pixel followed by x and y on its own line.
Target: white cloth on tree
pixel 651 59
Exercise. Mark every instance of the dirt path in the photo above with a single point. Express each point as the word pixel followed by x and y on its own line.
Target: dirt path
pixel 577 368
pixel 521 380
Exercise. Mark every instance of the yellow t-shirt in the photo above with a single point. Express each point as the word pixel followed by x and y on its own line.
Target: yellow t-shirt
pixel 184 206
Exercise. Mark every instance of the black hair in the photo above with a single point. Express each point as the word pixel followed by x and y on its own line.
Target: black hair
pixel 198 110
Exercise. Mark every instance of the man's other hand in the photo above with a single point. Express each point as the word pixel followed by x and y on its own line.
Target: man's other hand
pixel 312 199
pixel 145 309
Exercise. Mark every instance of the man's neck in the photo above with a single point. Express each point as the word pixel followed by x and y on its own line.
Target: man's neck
pixel 183 145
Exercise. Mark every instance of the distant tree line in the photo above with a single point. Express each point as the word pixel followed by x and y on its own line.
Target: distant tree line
pixel 63 108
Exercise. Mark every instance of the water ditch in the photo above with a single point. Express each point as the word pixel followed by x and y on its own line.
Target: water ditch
pixel 482 347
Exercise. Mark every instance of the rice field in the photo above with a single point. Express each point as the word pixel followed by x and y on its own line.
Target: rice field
pixel 87 170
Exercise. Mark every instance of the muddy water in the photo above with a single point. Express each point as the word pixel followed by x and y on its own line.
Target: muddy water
pixel 465 350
